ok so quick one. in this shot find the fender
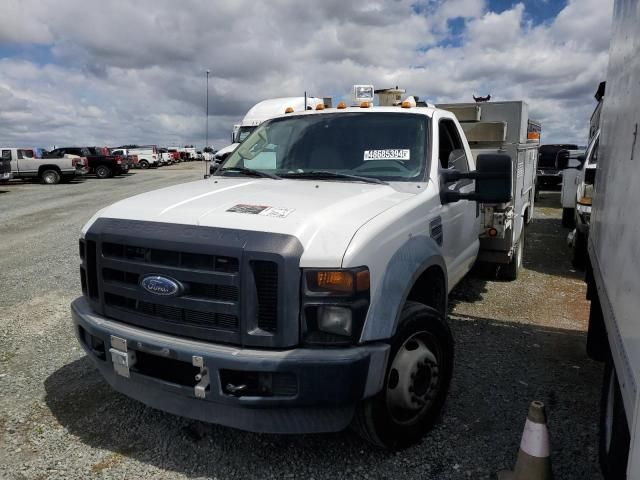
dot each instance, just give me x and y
(403, 269)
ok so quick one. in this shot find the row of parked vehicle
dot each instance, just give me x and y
(66, 163)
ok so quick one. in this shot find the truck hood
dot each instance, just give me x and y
(323, 215)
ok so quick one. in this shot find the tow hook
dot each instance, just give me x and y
(122, 358)
(202, 377)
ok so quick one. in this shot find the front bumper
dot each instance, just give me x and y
(330, 382)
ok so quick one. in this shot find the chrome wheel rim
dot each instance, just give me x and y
(413, 380)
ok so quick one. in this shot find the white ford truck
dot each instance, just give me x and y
(301, 288)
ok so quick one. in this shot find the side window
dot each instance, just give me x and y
(451, 152)
(6, 154)
(20, 155)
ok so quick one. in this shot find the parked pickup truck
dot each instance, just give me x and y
(548, 172)
(304, 286)
(25, 164)
(148, 156)
(101, 165)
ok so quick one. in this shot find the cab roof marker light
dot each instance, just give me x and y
(408, 102)
(320, 106)
(341, 106)
(364, 105)
(288, 110)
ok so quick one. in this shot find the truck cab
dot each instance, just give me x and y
(301, 288)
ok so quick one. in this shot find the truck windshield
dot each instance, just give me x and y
(382, 145)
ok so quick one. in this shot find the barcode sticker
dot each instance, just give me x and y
(403, 154)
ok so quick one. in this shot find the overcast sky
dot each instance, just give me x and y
(102, 72)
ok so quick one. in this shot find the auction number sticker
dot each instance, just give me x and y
(264, 210)
(403, 154)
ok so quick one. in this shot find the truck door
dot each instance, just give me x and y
(27, 161)
(6, 155)
(460, 220)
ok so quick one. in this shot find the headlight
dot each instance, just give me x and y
(334, 305)
(337, 320)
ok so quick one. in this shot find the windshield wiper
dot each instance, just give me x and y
(327, 174)
(250, 172)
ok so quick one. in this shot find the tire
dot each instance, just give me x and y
(412, 397)
(568, 217)
(103, 171)
(50, 177)
(143, 164)
(614, 439)
(579, 257)
(511, 270)
(597, 343)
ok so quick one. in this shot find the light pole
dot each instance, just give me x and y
(206, 132)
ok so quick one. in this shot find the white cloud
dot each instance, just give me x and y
(134, 71)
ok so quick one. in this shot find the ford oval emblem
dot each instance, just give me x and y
(159, 285)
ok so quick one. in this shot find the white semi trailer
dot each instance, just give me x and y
(613, 275)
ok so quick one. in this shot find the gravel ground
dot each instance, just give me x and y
(516, 342)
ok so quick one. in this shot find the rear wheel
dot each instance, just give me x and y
(614, 430)
(143, 164)
(50, 177)
(568, 218)
(511, 270)
(102, 171)
(416, 381)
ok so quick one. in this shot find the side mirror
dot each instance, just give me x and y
(493, 177)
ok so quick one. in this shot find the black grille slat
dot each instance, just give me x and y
(224, 293)
(92, 269)
(183, 316)
(266, 277)
(170, 258)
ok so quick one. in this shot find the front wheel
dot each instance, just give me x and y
(614, 430)
(50, 177)
(416, 382)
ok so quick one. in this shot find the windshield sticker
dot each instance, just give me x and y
(250, 209)
(388, 154)
(265, 210)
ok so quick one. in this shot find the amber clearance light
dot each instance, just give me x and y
(338, 281)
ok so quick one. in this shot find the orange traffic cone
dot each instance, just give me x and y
(533, 461)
